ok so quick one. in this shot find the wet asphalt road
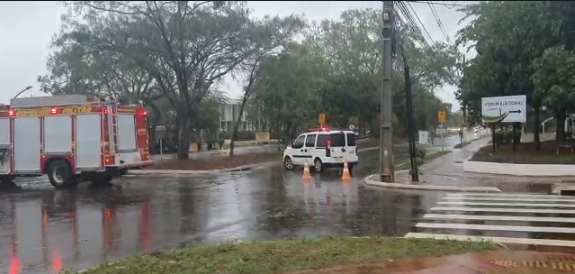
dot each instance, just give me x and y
(45, 230)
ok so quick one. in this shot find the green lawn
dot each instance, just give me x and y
(274, 257)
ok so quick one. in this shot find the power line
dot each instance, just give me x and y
(411, 25)
(438, 20)
(421, 23)
(444, 4)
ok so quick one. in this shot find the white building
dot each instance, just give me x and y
(229, 112)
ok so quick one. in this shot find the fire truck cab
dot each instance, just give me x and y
(71, 138)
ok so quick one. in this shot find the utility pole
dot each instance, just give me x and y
(386, 104)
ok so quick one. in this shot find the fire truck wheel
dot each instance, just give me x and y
(60, 174)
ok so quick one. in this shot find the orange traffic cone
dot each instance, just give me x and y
(345, 174)
(306, 174)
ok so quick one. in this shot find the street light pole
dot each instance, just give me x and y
(386, 104)
(22, 91)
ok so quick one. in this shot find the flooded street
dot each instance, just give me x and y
(46, 230)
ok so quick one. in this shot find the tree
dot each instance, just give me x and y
(509, 36)
(554, 83)
(185, 46)
(287, 88)
(270, 34)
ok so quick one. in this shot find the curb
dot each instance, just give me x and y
(369, 181)
(209, 171)
(198, 172)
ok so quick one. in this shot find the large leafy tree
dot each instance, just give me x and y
(184, 46)
(269, 37)
(510, 36)
(287, 89)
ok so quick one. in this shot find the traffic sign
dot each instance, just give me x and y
(504, 109)
(441, 116)
(321, 118)
(351, 127)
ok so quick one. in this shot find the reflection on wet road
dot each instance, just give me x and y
(45, 230)
(42, 229)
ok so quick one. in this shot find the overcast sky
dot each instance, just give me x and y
(27, 28)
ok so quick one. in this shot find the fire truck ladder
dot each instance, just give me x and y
(113, 120)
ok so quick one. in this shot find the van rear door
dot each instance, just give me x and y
(337, 145)
(351, 143)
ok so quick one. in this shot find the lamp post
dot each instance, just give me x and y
(22, 91)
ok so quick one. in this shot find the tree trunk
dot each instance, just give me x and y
(237, 125)
(183, 136)
(152, 132)
(560, 117)
(536, 120)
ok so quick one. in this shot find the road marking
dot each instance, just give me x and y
(514, 210)
(505, 204)
(511, 195)
(498, 218)
(558, 199)
(503, 240)
(497, 227)
(451, 214)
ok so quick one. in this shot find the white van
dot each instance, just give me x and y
(322, 149)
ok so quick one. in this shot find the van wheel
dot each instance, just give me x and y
(288, 164)
(60, 174)
(318, 165)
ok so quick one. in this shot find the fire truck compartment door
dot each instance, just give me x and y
(58, 134)
(88, 142)
(126, 132)
(27, 144)
(4, 145)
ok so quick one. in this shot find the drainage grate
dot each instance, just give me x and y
(555, 264)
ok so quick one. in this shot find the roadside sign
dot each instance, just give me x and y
(441, 116)
(321, 119)
(351, 127)
(504, 109)
(262, 136)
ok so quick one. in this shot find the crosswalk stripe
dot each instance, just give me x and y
(497, 227)
(514, 199)
(457, 211)
(503, 240)
(515, 210)
(512, 195)
(497, 218)
(506, 204)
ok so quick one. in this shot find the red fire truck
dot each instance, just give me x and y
(71, 138)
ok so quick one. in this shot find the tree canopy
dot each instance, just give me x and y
(173, 56)
(523, 48)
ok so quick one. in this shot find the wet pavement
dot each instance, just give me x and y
(45, 230)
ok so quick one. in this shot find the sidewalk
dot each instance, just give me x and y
(497, 262)
(448, 170)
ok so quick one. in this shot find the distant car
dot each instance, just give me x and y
(323, 148)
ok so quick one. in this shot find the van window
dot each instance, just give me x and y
(298, 143)
(337, 139)
(322, 140)
(310, 140)
(351, 137)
